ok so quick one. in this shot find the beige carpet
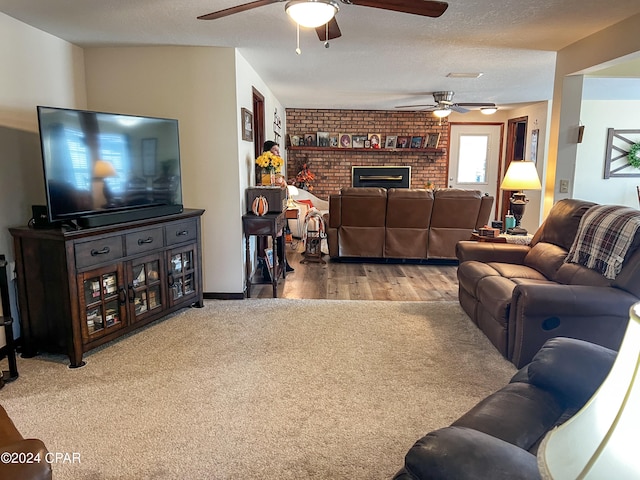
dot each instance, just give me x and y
(260, 389)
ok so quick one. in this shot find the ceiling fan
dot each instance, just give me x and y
(444, 105)
(324, 11)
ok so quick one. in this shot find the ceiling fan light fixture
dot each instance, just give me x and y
(442, 112)
(488, 110)
(311, 13)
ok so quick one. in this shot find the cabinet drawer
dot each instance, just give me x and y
(143, 241)
(181, 232)
(98, 251)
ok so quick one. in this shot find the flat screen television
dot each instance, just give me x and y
(105, 168)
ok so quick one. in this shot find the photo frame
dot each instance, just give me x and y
(404, 141)
(310, 139)
(268, 258)
(434, 139)
(416, 142)
(390, 141)
(375, 139)
(149, 148)
(247, 124)
(357, 141)
(345, 140)
(334, 140)
(323, 139)
(534, 145)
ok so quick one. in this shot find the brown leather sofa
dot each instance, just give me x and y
(499, 438)
(403, 223)
(520, 296)
(29, 454)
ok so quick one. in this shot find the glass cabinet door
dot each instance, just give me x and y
(182, 274)
(145, 288)
(102, 299)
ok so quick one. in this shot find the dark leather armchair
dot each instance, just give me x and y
(11, 441)
(520, 296)
(498, 439)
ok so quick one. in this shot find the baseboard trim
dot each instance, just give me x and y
(222, 296)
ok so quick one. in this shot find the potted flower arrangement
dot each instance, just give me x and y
(304, 178)
(271, 163)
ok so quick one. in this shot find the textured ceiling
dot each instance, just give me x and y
(383, 58)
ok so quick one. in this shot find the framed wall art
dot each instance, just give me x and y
(247, 124)
(534, 145)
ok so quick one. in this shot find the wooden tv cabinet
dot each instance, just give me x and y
(78, 289)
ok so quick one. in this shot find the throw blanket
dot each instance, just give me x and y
(604, 236)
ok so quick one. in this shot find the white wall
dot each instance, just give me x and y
(246, 80)
(601, 48)
(204, 88)
(590, 184)
(538, 115)
(37, 69)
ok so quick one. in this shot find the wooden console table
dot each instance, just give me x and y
(79, 289)
(269, 225)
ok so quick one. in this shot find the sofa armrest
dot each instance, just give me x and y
(465, 454)
(542, 311)
(491, 252)
(573, 369)
(39, 469)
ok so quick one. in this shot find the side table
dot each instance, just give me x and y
(503, 238)
(269, 225)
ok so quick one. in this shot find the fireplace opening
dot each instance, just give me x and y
(382, 176)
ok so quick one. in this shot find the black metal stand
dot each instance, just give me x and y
(7, 323)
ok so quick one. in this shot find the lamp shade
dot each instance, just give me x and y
(600, 440)
(521, 175)
(311, 13)
(103, 169)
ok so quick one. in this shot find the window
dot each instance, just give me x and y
(472, 159)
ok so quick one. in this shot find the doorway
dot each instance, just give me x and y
(258, 130)
(475, 157)
(516, 141)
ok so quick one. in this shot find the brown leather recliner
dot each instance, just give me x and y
(361, 222)
(456, 214)
(520, 296)
(12, 442)
(407, 223)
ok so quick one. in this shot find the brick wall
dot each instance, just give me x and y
(332, 167)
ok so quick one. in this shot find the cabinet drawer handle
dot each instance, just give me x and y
(103, 251)
(132, 294)
(182, 233)
(122, 296)
(142, 241)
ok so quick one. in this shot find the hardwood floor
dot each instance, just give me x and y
(364, 281)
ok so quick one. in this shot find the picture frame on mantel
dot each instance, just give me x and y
(247, 124)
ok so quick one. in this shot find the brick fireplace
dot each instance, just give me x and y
(333, 166)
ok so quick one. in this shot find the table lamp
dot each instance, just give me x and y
(600, 440)
(102, 170)
(292, 191)
(521, 175)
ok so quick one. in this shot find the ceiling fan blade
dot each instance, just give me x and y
(482, 104)
(426, 8)
(237, 9)
(416, 106)
(457, 108)
(334, 31)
